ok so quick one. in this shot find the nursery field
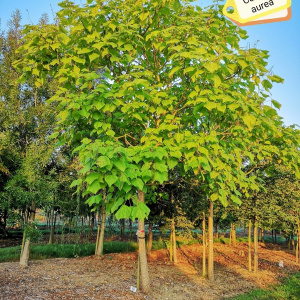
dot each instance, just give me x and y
(111, 276)
(142, 156)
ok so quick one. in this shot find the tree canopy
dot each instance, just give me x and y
(148, 86)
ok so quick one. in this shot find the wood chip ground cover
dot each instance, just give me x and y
(112, 276)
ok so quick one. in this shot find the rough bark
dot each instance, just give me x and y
(210, 270)
(249, 247)
(204, 246)
(255, 237)
(144, 275)
(149, 238)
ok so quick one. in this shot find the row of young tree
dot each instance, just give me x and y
(155, 107)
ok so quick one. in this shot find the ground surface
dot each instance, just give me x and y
(112, 276)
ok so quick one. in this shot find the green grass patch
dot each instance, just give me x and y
(44, 251)
(65, 250)
(118, 247)
(226, 240)
(288, 290)
(183, 242)
(10, 254)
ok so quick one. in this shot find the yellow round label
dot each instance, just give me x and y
(244, 11)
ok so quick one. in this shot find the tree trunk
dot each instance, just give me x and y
(25, 216)
(174, 241)
(275, 236)
(217, 231)
(255, 236)
(204, 247)
(3, 223)
(210, 271)
(298, 245)
(51, 221)
(297, 249)
(98, 232)
(54, 226)
(26, 248)
(122, 228)
(138, 281)
(233, 235)
(23, 241)
(48, 219)
(102, 230)
(249, 247)
(144, 277)
(293, 242)
(25, 253)
(171, 244)
(91, 225)
(262, 235)
(130, 229)
(149, 238)
(160, 237)
(82, 225)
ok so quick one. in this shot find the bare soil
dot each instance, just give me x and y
(112, 276)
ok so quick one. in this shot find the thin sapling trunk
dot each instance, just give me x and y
(144, 274)
(255, 237)
(210, 271)
(249, 247)
(204, 246)
(149, 238)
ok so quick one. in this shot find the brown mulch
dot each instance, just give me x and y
(112, 276)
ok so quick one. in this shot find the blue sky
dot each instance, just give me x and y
(282, 39)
